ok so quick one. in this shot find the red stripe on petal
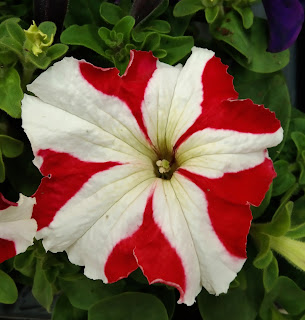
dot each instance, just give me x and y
(243, 187)
(220, 110)
(129, 88)
(231, 223)
(228, 202)
(66, 176)
(149, 249)
(7, 250)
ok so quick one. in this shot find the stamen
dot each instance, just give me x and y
(163, 166)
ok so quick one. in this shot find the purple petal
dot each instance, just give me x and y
(285, 18)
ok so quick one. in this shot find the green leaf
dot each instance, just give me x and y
(8, 289)
(56, 51)
(248, 47)
(271, 91)
(25, 263)
(299, 140)
(10, 147)
(125, 26)
(22, 174)
(131, 306)
(265, 255)
(211, 13)
(63, 310)
(239, 303)
(11, 93)
(258, 211)
(246, 14)
(176, 47)
(111, 13)
(284, 179)
(280, 222)
(286, 294)
(160, 26)
(297, 230)
(151, 42)
(42, 288)
(12, 36)
(86, 35)
(48, 28)
(186, 7)
(83, 12)
(270, 274)
(83, 292)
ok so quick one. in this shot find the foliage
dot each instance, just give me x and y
(104, 33)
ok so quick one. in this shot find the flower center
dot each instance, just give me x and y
(165, 168)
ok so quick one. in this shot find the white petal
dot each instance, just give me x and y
(16, 224)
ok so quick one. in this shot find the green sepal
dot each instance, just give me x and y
(111, 13)
(11, 93)
(248, 47)
(279, 224)
(284, 179)
(258, 211)
(211, 14)
(187, 7)
(129, 305)
(42, 288)
(285, 293)
(246, 14)
(86, 35)
(56, 51)
(265, 255)
(44, 59)
(12, 36)
(63, 310)
(8, 289)
(176, 47)
(270, 274)
(83, 292)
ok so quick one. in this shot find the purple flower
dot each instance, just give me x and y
(285, 18)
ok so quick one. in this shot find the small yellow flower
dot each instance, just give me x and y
(36, 40)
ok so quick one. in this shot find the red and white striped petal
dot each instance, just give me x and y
(69, 86)
(50, 127)
(74, 196)
(183, 249)
(174, 96)
(17, 229)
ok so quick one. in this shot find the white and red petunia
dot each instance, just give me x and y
(17, 229)
(155, 169)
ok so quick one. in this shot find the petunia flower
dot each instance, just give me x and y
(17, 229)
(285, 19)
(155, 169)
